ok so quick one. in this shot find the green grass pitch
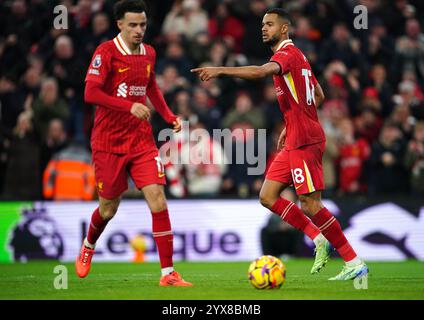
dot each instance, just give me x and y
(226, 281)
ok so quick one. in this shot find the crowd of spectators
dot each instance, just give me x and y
(373, 78)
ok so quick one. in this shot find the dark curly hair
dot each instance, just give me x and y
(124, 6)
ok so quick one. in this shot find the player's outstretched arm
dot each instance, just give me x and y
(319, 95)
(247, 72)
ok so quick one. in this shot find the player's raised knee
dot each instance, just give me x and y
(107, 214)
(108, 208)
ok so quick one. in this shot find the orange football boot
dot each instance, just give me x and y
(174, 279)
(83, 263)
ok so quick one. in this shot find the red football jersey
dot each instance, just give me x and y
(294, 87)
(126, 76)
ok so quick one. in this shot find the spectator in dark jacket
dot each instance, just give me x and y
(69, 70)
(387, 174)
(48, 106)
(340, 47)
(23, 179)
(56, 139)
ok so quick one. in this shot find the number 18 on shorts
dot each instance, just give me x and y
(301, 167)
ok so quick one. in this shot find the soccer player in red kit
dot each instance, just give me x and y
(302, 142)
(120, 77)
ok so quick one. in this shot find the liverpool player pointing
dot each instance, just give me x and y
(302, 142)
(118, 80)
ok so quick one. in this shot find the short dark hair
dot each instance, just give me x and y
(124, 6)
(283, 14)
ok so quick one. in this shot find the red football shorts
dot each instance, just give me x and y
(112, 170)
(301, 167)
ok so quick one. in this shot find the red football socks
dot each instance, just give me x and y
(290, 212)
(97, 226)
(331, 229)
(163, 236)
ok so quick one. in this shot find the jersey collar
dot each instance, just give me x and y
(122, 47)
(285, 43)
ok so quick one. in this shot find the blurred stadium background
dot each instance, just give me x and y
(373, 117)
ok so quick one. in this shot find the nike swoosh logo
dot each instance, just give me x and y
(120, 70)
(160, 175)
(299, 186)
